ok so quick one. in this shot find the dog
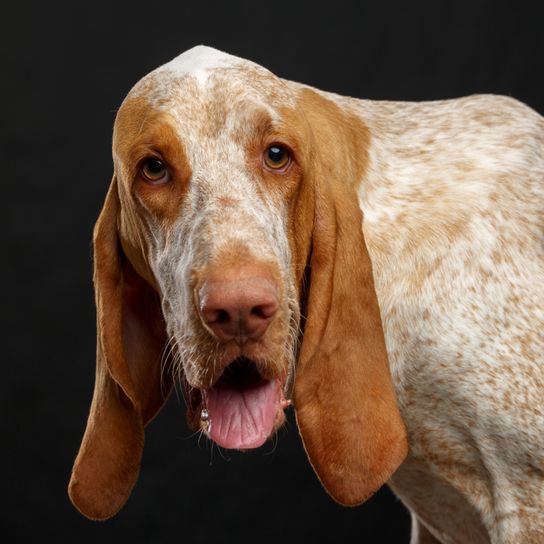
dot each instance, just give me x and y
(379, 265)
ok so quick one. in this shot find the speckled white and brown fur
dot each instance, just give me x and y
(454, 221)
(453, 204)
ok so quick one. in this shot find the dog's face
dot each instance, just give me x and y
(209, 170)
(232, 213)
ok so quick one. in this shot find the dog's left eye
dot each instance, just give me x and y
(276, 157)
(155, 171)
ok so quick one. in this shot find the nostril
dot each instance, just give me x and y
(222, 317)
(215, 315)
(263, 311)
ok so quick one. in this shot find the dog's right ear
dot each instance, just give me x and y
(129, 387)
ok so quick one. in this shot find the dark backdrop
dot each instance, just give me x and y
(65, 70)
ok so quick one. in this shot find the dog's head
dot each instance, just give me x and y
(229, 255)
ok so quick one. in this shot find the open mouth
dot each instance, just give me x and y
(242, 409)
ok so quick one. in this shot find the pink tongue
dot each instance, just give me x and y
(242, 418)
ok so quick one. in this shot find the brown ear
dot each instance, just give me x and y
(129, 388)
(345, 403)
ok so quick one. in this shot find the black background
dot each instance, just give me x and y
(66, 68)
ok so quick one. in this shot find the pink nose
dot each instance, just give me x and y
(238, 309)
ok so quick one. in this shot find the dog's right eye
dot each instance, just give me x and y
(155, 171)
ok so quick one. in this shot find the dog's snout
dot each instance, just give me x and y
(238, 308)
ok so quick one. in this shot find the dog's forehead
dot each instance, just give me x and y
(203, 75)
(208, 98)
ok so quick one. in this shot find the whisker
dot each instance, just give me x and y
(211, 452)
(200, 435)
(274, 445)
(198, 432)
(178, 388)
(221, 453)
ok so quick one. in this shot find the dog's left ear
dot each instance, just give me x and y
(129, 385)
(345, 403)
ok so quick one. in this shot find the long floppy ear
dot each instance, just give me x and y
(129, 387)
(345, 402)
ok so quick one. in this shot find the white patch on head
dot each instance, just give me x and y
(198, 62)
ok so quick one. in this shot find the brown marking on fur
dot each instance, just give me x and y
(280, 186)
(140, 132)
(226, 201)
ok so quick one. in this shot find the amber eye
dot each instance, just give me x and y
(155, 171)
(276, 157)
